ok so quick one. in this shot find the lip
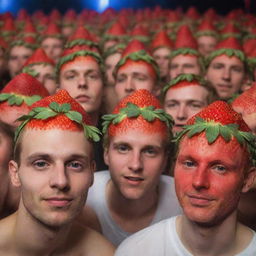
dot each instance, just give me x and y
(83, 98)
(201, 201)
(225, 86)
(58, 201)
(133, 180)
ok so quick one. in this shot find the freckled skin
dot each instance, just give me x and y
(209, 178)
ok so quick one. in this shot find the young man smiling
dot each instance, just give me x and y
(133, 194)
(214, 166)
(53, 166)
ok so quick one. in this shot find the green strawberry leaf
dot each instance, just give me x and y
(31, 100)
(212, 132)
(55, 106)
(148, 115)
(118, 119)
(225, 133)
(74, 116)
(65, 107)
(4, 96)
(45, 114)
(91, 132)
(195, 130)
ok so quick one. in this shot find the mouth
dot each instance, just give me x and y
(225, 86)
(82, 98)
(58, 201)
(133, 180)
(198, 200)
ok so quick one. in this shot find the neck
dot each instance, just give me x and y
(208, 241)
(131, 207)
(43, 240)
(94, 117)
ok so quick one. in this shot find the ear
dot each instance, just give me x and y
(250, 180)
(14, 175)
(106, 156)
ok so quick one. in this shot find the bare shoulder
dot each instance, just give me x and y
(89, 241)
(6, 233)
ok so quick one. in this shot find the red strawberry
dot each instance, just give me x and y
(52, 30)
(141, 98)
(26, 85)
(221, 112)
(133, 46)
(39, 56)
(161, 39)
(116, 30)
(246, 102)
(185, 38)
(60, 121)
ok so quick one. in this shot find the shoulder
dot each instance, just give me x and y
(90, 242)
(148, 240)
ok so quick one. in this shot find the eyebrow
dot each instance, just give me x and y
(48, 156)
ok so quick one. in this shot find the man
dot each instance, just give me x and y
(133, 194)
(53, 166)
(185, 58)
(20, 51)
(185, 96)
(52, 42)
(214, 166)
(43, 69)
(79, 72)
(136, 70)
(226, 68)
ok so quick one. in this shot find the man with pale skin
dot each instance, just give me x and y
(133, 73)
(184, 97)
(226, 70)
(79, 72)
(212, 170)
(133, 194)
(54, 182)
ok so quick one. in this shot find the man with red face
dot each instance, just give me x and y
(53, 166)
(133, 194)
(214, 165)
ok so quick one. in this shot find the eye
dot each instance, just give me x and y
(122, 148)
(237, 69)
(141, 78)
(120, 79)
(220, 168)
(171, 105)
(40, 164)
(150, 151)
(75, 165)
(217, 66)
(93, 76)
(189, 163)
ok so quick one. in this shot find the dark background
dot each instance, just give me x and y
(222, 6)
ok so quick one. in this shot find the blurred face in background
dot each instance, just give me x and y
(206, 44)
(53, 47)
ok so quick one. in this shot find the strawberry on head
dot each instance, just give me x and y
(219, 123)
(140, 110)
(59, 111)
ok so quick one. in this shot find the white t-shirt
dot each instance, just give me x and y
(168, 205)
(162, 239)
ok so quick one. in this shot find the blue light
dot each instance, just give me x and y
(8, 5)
(103, 4)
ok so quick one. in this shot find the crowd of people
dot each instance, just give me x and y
(130, 129)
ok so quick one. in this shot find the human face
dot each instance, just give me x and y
(135, 161)
(133, 77)
(82, 79)
(206, 44)
(209, 179)
(182, 103)
(184, 64)
(10, 114)
(2, 61)
(162, 56)
(110, 64)
(226, 74)
(17, 57)
(54, 173)
(45, 74)
(53, 47)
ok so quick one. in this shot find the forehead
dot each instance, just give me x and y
(134, 67)
(161, 51)
(51, 41)
(226, 60)
(182, 59)
(81, 64)
(59, 143)
(207, 39)
(137, 137)
(198, 148)
(193, 92)
(20, 50)
(113, 58)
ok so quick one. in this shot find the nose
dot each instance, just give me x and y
(59, 178)
(135, 162)
(129, 85)
(201, 179)
(182, 114)
(226, 74)
(82, 82)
